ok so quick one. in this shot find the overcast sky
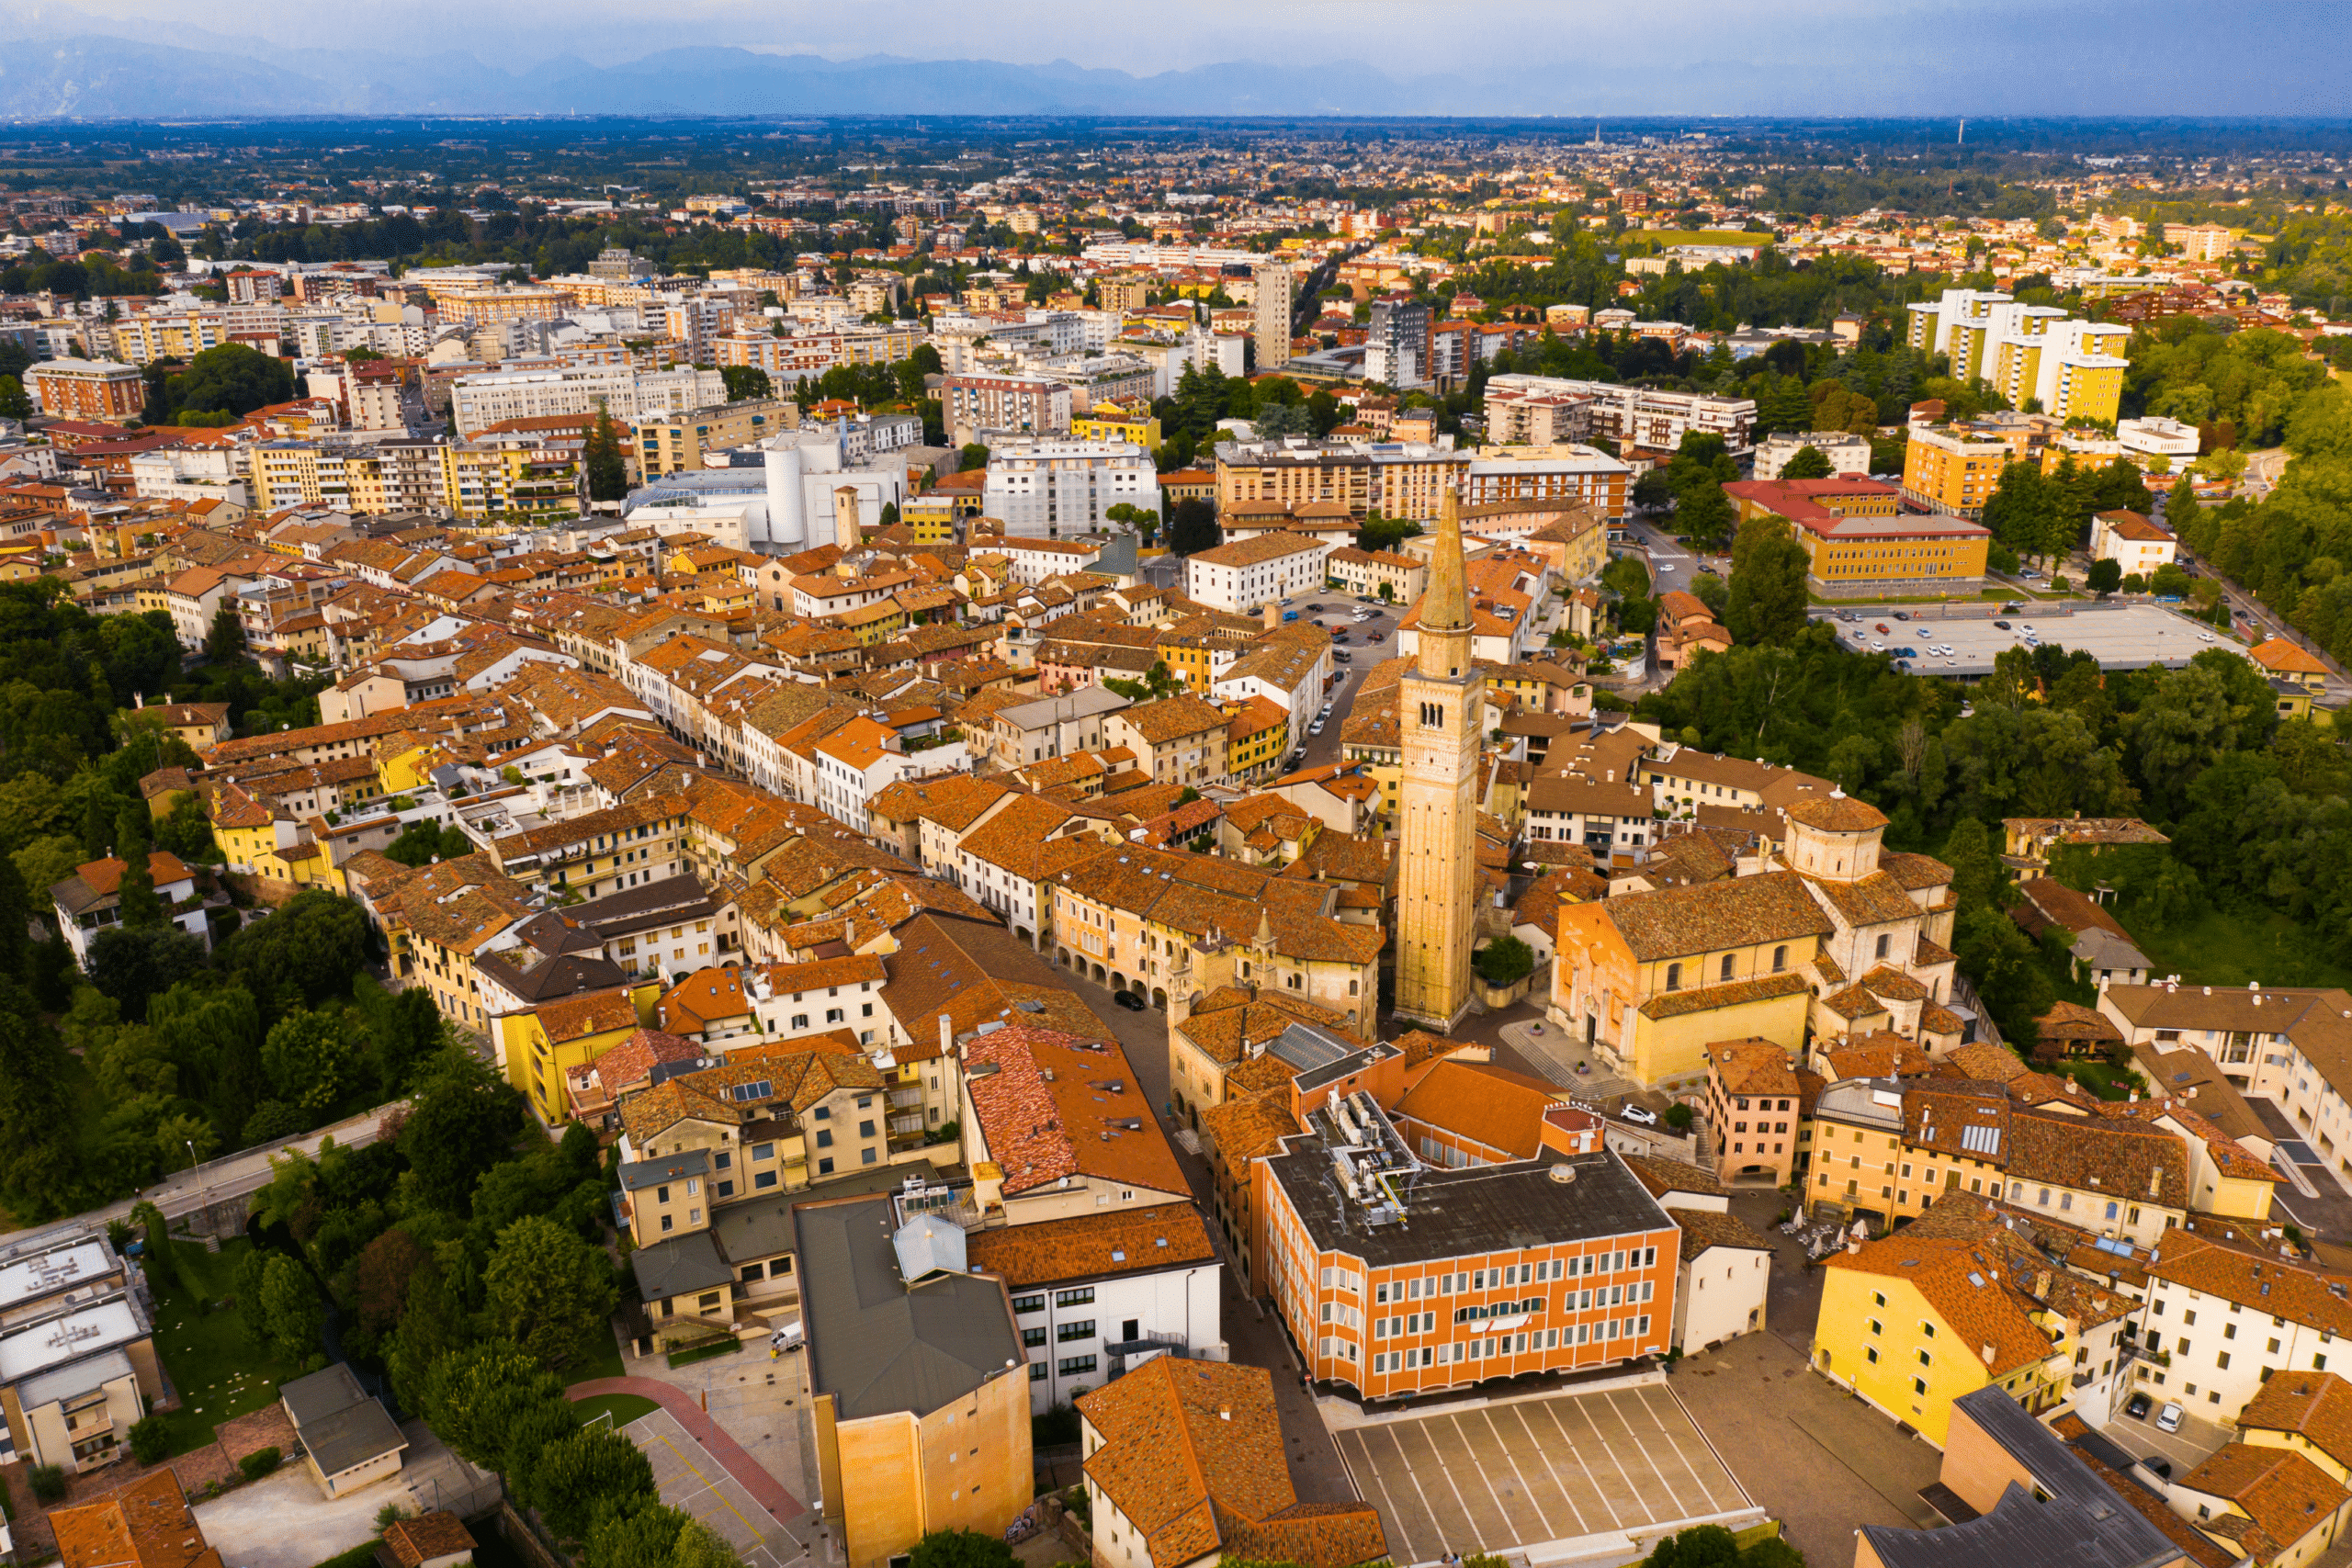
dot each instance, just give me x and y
(1563, 56)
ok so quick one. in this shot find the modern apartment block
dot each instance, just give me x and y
(1051, 489)
(77, 1354)
(2027, 352)
(1023, 405)
(1398, 1279)
(628, 394)
(1634, 416)
(1276, 293)
(1397, 351)
(88, 389)
(670, 442)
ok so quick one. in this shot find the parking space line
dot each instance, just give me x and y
(1545, 1454)
(1461, 1504)
(1643, 1443)
(1524, 1489)
(1616, 1521)
(1388, 1503)
(1713, 1462)
(1470, 1453)
(1412, 1474)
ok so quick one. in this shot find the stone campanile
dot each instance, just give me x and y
(1438, 706)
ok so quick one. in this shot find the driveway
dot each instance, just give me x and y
(285, 1521)
(1810, 1454)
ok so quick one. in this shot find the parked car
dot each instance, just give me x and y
(1129, 1000)
(1640, 1114)
(2168, 1418)
(2139, 1406)
(1315, 729)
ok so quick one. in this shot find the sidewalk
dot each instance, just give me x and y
(765, 1488)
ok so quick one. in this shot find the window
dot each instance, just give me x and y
(1032, 1337)
(1723, 972)
(825, 1166)
(1780, 959)
(764, 1151)
(1028, 1304)
(1674, 977)
(1072, 1366)
(1082, 1296)
(1884, 941)
(764, 1179)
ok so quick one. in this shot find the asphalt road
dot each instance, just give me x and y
(1340, 616)
(236, 1176)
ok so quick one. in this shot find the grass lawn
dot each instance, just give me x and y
(2232, 946)
(625, 1407)
(219, 1375)
(359, 1556)
(605, 1363)
(2098, 1078)
(726, 1347)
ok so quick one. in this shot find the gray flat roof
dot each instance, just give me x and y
(1473, 1208)
(339, 1422)
(640, 1174)
(679, 1267)
(2128, 636)
(80, 1378)
(875, 1344)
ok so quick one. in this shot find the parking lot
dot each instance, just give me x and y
(691, 1479)
(2128, 636)
(1515, 1474)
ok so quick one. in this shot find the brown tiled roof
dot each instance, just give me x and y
(2070, 1021)
(575, 1017)
(1753, 1067)
(702, 999)
(1743, 912)
(1836, 813)
(1706, 998)
(1704, 1228)
(2122, 1159)
(2252, 1279)
(1171, 718)
(146, 1523)
(1662, 1175)
(1488, 1105)
(1875, 900)
(1090, 1117)
(2286, 1495)
(1967, 1288)
(1226, 1031)
(1191, 1454)
(2317, 1406)
(426, 1537)
(1092, 1246)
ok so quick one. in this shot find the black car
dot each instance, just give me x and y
(2138, 1409)
(2002, 624)
(1902, 615)
(1128, 1000)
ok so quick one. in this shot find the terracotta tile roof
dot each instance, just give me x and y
(702, 999)
(1978, 1060)
(1753, 1067)
(1488, 1105)
(2253, 1278)
(1191, 1454)
(2286, 1495)
(104, 878)
(1059, 1105)
(146, 1523)
(1093, 1246)
(1661, 1175)
(1967, 1287)
(2070, 1021)
(1705, 998)
(1227, 1024)
(2316, 1406)
(419, 1541)
(1913, 872)
(1875, 900)
(575, 1017)
(1170, 718)
(2122, 1159)
(1704, 1228)
(633, 1060)
(2282, 657)
(1743, 912)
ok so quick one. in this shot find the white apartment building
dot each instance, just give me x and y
(1141, 1285)
(2219, 1321)
(2133, 543)
(628, 394)
(2288, 1047)
(1047, 489)
(1637, 416)
(2154, 437)
(1026, 405)
(1848, 454)
(1256, 571)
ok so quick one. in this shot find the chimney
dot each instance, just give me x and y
(947, 1036)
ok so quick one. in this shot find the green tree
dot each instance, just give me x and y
(961, 1549)
(465, 1120)
(1504, 961)
(310, 1059)
(39, 1161)
(132, 965)
(232, 380)
(573, 1474)
(1704, 512)
(470, 1392)
(1806, 463)
(142, 910)
(14, 402)
(1768, 600)
(548, 1291)
(290, 1307)
(746, 381)
(1193, 527)
(1976, 875)
(601, 459)
(225, 643)
(2104, 576)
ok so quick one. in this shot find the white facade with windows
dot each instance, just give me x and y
(1051, 489)
(1081, 1334)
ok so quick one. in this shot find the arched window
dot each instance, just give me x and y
(1780, 959)
(1674, 977)
(1723, 974)
(1884, 941)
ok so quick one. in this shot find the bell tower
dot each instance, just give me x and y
(1440, 703)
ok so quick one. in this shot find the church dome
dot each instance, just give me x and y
(1837, 813)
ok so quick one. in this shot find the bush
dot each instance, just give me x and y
(1678, 1117)
(48, 1483)
(151, 1440)
(259, 1462)
(1504, 961)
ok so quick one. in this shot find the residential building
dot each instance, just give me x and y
(1185, 1469)
(628, 393)
(97, 389)
(669, 443)
(1272, 305)
(1564, 474)
(1639, 416)
(2274, 1506)
(146, 1524)
(920, 1405)
(1953, 469)
(2133, 543)
(1099, 1295)
(1178, 739)
(77, 1357)
(1724, 1267)
(2029, 354)
(2223, 1320)
(972, 405)
(1755, 1105)
(90, 900)
(1242, 577)
(1397, 348)
(1047, 489)
(1392, 1280)
(1848, 455)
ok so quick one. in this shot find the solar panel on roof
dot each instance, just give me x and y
(760, 1090)
(1980, 1140)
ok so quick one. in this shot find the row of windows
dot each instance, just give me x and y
(1502, 1345)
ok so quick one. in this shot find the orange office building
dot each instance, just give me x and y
(1397, 1277)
